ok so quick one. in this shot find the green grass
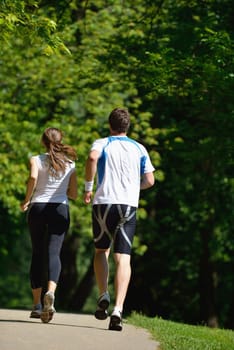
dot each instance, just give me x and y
(179, 336)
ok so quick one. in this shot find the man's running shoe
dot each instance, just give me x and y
(36, 311)
(116, 321)
(48, 309)
(103, 304)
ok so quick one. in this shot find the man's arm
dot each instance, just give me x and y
(147, 181)
(90, 172)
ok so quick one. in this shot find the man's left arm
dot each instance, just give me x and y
(147, 180)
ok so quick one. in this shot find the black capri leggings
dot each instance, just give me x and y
(48, 223)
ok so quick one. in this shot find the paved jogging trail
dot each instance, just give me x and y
(68, 332)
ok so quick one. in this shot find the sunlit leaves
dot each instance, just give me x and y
(24, 20)
(171, 64)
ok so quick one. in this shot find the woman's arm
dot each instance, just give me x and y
(31, 184)
(72, 186)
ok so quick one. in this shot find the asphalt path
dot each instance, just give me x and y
(68, 332)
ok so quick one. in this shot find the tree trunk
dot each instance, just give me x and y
(69, 275)
(84, 289)
(230, 320)
(207, 282)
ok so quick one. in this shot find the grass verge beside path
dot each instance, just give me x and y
(179, 336)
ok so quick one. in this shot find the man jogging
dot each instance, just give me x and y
(123, 168)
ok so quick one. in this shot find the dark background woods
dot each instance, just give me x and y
(68, 64)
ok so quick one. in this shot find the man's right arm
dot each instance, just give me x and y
(90, 172)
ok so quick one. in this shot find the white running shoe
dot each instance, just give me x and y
(48, 309)
(116, 321)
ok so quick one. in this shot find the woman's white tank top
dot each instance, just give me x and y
(52, 189)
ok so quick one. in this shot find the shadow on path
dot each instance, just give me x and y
(68, 332)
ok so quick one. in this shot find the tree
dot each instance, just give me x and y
(26, 20)
(171, 64)
(184, 84)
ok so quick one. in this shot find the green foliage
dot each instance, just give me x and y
(171, 64)
(25, 20)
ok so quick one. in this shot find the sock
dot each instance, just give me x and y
(51, 293)
(118, 309)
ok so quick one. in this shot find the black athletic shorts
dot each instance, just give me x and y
(114, 223)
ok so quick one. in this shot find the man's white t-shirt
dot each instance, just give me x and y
(120, 166)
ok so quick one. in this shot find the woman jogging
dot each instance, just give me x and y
(52, 180)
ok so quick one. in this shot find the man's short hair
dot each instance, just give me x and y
(119, 120)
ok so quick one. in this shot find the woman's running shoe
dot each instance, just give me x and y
(48, 308)
(36, 311)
